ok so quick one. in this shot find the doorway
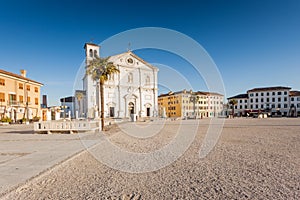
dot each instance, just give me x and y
(111, 111)
(148, 112)
(131, 108)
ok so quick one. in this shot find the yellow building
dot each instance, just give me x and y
(19, 96)
(169, 104)
(190, 104)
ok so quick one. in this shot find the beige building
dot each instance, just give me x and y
(19, 96)
(190, 104)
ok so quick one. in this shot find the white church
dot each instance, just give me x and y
(132, 92)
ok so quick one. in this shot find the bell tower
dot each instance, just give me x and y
(89, 85)
(91, 51)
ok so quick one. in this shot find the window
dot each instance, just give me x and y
(21, 86)
(285, 105)
(251, 106)
(256, 100)
(130, 78)
(36, 101)
(2, 97)
(251, 100)
(298, 105)
(12, 99)
(246, 107)
(268, 100)
(256, 94)
(279, 105)
(36, 89)
(28, 87)
(262, 100)
(2, 82)
(279, 99)
(292, 99)
(262, 94)
(148, 80)
(95, 54)
(21, 99)
(273, 99)
(261, 106)
(256, 106)
(268, 93)
(285, 93)
(285, 98)
(279, 93)
(241, 107)
(111, 77)
(273, 105)
(251, 94)
(91, 53)
(241, 101)
(246, 100)
(28, 99)
(273, 93)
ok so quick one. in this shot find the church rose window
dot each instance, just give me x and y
(129, 60)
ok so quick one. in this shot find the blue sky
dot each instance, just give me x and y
(253, 43)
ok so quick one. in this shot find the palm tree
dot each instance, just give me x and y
(79, 97)
(233, 103)
(101, 69)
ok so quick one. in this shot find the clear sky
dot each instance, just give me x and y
(253, 43)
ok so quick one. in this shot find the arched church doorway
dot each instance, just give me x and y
(131, 108)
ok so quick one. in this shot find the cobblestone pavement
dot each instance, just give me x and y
(253, 159)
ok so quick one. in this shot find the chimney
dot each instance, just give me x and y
(23, 73)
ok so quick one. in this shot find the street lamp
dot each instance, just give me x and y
(26, 96)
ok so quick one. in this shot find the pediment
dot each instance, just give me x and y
(129, 59)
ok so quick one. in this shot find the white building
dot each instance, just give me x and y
(214, 104)
(278, 101)
(132, 91)
(68, 107)
(294, 103)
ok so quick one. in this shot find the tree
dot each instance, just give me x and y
(100, 69)
(79, 97)
(194, 99)
(233, 103)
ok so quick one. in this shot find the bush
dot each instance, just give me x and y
(36, 119)
(6, 119)
(23, 120)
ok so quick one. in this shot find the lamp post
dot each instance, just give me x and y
(193, 99)
(26, 96)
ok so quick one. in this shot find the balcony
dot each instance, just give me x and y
(16, 103)
(13, 103)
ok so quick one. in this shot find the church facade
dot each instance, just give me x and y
(131, 92)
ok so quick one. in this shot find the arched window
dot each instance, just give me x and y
(91, 53)
(111, 77)
(130, 78)
(95, 54)
(148, 80)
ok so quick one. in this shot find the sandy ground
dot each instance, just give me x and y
(253, 159)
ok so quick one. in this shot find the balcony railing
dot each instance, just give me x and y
(17, 103)
(13, 103)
